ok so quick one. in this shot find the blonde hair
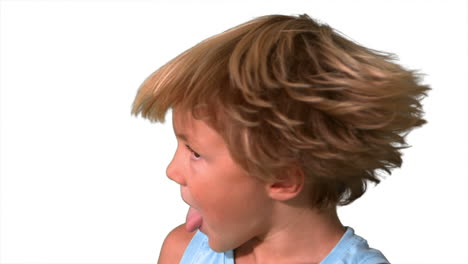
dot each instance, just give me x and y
(284, 90)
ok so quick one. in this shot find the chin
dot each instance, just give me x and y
(220, 246)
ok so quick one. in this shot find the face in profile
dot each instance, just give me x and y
(228, 205)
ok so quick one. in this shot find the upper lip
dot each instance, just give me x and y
(183, 198)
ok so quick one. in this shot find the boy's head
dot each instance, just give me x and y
(286, 91)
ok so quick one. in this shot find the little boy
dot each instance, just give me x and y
(279, 121)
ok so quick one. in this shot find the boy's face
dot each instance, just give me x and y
(234, 206)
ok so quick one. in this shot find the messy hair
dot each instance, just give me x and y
(288, 91)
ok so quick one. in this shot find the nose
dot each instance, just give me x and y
(173, 172)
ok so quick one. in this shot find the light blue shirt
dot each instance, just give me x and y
(351, 249)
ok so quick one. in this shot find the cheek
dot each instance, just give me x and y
(233, 205)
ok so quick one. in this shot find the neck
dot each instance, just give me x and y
(297, 235)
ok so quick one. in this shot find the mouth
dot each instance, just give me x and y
(194, 220)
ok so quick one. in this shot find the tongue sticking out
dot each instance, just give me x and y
(193, 221)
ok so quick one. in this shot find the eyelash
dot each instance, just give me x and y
(195, 154)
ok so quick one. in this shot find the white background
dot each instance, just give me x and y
(83, 181)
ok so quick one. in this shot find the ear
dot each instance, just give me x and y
(288, 185)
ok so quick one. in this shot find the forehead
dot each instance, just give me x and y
(191, 129)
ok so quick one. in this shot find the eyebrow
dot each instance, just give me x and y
(182, 136)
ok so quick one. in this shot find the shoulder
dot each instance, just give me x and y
(365, 254)
(353, 249)
(174, 245)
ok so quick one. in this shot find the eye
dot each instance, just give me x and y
(194, 154)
